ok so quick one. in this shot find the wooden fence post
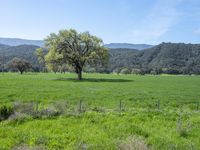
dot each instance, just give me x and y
(120, 105)
(37, 109)
(80, 106)
(158, 104)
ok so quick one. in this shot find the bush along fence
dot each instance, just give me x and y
(19, 110)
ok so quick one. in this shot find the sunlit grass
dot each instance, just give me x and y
(157, 127)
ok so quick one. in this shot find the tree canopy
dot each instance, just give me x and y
(40, 53)
(20, 64)
(75, 49)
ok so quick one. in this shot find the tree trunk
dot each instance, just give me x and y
(79, 75)
(78, 70)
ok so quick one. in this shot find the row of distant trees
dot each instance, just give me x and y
(155, 71)
(51, 64)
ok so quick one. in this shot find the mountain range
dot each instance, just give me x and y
(40, 43)
(18, 41)
(128, 46)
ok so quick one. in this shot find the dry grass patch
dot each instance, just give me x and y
(133, 143)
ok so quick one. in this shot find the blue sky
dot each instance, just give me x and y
(122, 21)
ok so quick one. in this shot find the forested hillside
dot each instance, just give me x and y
(164, 58)
(121, 58)
(21, 51)
(172, 58)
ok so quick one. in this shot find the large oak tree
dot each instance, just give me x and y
(76, 49)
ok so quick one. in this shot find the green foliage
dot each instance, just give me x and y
(135, 71)
(53, 60)
(75, 49)
(19, 64)
(125, 71)
(40, 53)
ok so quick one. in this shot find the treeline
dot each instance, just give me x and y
(167, 58)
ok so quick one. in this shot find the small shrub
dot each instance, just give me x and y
(49, 112)
(22, 110)
(25, 108)
(135, 71)
(19, 117)
(117, 71)
(5, 112)
(125, 71)
(61, 107)
(153, 72)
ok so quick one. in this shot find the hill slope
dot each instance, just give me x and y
(127, 45)
(17, 41)
(21, 51)
(164, 58)
(178, 58)
(2, 46)
(175, 58)
(120, 58)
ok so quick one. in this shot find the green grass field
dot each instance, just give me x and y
(156, 112)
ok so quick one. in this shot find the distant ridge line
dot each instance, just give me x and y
(128, 46)
(19, 41)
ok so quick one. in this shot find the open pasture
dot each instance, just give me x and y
(120, 111)
(99, 89)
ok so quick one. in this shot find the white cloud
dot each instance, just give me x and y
(161, 18)
(197, 31)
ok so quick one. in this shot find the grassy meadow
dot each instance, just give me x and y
(118, 111)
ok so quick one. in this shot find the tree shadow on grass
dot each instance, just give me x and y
(93, 80)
